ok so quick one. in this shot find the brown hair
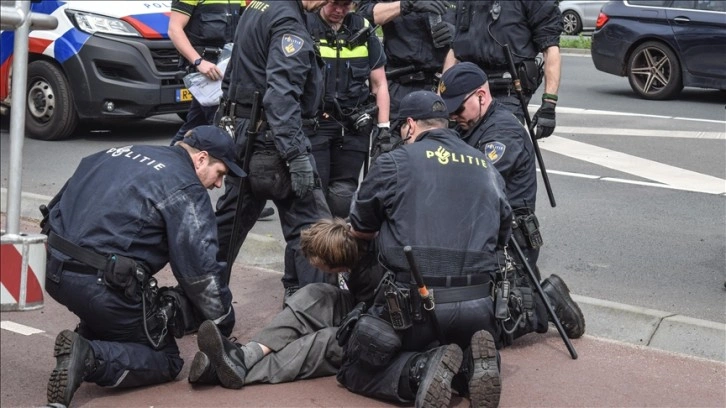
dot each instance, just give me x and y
(330, 242)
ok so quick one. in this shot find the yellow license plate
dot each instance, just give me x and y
(183, 95)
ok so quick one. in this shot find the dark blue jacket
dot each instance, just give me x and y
(407, 39)
(441, 197)
(147, 203)
(528, 26)
(275, 54)
(506, 143)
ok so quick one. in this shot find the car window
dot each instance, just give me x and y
(711, 5)
(690, 4)
(652, 3)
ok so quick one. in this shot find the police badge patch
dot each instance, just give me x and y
(494, 151)
(291, 44)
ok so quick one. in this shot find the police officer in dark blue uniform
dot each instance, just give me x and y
(123, 215)
(199, 29)
(529, 27)
(445, 200)
(275, 56)
(354, 72)
(416, 37)
(494, 130)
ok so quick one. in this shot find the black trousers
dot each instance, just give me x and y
(295, 215)
(458, 321)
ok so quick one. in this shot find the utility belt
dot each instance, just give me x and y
(530, 73)
(410, 75)
(236, 110)
(525, 229)
(404, 305)
(165, 310)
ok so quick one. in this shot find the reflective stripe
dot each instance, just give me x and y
(345, 52)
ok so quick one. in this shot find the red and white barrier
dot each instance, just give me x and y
(22, 271)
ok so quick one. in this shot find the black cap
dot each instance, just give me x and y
(421, 105)
(458, 82)
(217, 143)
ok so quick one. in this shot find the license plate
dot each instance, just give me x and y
(183, 95)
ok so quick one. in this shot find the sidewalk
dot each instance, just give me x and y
(609, 320)
(536, 372)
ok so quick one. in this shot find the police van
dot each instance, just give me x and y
(106, 60)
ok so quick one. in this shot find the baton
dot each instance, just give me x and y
(528, 121)
(542, 296)
(237, 223)
(427, 297)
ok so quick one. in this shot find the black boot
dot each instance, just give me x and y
(225, 356)
(431, 373)
(202, 370)
(74, 361)
(565, 308)
(485, 385)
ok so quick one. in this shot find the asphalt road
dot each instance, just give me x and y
(639, 217)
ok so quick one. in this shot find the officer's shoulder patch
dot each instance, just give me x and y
(494, 151)
(291, 44)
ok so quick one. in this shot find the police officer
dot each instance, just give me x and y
(274, 55)
(493, 129)
(529, 27)
(441, 197)
(123, 215)
(417, 34)
(354, 59)
(301, 341)
(199, 29)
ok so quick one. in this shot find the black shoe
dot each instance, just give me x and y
(74, 361)
(434, 373)
(565, 308)
(485, 385)
(225, 356)
(202, 370)
(266, 214)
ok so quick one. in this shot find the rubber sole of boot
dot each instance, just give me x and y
(559, 286)
(435, 388)
(485, 385)
(60, 385)
(200, 370)
(210, 342)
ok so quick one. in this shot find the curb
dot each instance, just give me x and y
(605, 319)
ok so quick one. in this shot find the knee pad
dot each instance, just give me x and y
(373, 342)
(339, 196)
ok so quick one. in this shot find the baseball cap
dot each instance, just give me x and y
(421, 105)
(218, 144)
(458, 82)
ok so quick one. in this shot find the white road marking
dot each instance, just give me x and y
(580, 111)
(19, 328)
(640, 132)
(672, 176)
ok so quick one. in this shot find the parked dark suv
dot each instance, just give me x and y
(662, 46)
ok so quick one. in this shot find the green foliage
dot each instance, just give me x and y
(576, 42)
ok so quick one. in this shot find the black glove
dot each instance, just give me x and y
(443, 34)
(544, 119)
(424, 6)
(383, 141)
(301, 175)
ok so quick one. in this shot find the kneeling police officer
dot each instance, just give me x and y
(123, 215)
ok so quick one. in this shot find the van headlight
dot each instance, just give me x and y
(95, 23)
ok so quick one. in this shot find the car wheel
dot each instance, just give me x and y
(572, 22)
(654, 71)
(50, 114)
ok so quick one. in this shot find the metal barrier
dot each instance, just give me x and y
(19, 280)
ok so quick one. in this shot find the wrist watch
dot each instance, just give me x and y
(197, 61)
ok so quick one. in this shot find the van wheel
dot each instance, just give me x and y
(51, 113)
